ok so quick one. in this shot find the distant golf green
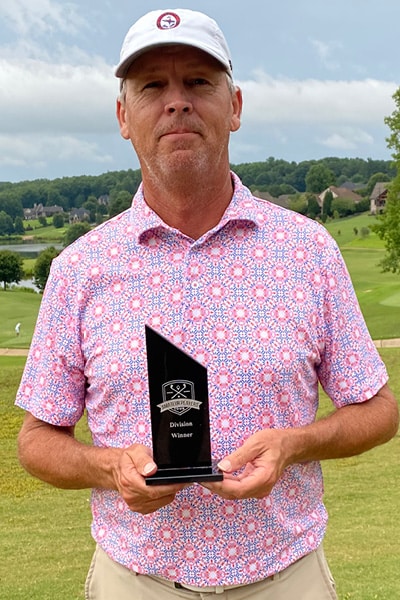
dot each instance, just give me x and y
(18, 307)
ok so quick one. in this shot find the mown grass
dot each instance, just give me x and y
(18, 306)
(343, 231)
(45, 540)
(45, 234)
(362, 495)
(378, 293)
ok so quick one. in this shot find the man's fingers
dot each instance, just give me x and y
(243, 455)
(254, 485)
(139, 457)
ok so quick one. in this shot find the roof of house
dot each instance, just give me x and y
(341, 192)
(379, 188)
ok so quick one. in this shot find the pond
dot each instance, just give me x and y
(30, 250)
(26, 283)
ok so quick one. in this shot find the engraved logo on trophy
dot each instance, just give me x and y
(178, 394)
(178, 397)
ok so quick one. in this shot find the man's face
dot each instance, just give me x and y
(178, 111)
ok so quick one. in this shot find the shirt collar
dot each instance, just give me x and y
(243, 207)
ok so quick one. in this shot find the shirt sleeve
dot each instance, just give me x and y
(52, 387)
(351, 369)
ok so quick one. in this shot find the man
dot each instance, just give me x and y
(258, 294)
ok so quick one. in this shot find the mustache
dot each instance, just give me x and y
(179, 126)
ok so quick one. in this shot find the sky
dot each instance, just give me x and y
(317, 77)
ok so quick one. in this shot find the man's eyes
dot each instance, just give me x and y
(191, 82)
(152, 84)
(199, 81)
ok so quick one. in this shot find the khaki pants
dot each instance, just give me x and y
(307, 579)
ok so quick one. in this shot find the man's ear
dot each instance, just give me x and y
(121, 116)
(237, 103)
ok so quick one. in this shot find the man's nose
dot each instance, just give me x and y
(179, 106)
(177, 101)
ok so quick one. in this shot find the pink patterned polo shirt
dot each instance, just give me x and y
(265, 302)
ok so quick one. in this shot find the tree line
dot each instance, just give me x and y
(301, 182)
(275, 176)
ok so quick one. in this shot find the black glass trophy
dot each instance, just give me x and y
(179, 411)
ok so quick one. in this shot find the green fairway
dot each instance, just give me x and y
(49, 233)
(18, 307)
(344, 231)
(45, 541)
(378, 293)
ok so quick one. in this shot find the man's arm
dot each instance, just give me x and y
(54, 455)
(348, 431)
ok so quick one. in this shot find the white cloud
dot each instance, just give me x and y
(347, 139)
(42, 97)
(278, 101)
(36, 17)
(33, 151)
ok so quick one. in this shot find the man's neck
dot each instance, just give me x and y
(192, 208)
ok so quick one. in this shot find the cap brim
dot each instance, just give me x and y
(124, 66)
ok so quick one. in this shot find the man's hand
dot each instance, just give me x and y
(71, 464)
(348, 431)
(134, 465)
(261, 461)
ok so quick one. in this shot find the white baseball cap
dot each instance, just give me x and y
(175, 26)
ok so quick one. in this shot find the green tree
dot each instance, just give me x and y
(120, 202)
(11, 270)
(313, 208)
(393, 122)
(19, 226)
(41, 269)
(91, 206)
(58, 220)
(365, 231)
(388, 226)
(74, 232)
(327, 204)
(343, 206)
(298, 203)
(6, 224)
(318, 178)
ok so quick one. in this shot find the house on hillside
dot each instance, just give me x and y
(78, 215)
(50, 211)
(33, 213)
(38, 210)
(339, 192)
(378, 197)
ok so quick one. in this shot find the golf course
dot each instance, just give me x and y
(45, 540)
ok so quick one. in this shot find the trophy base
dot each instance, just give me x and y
(184, 475)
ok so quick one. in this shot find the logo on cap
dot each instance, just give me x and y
(168, 20)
